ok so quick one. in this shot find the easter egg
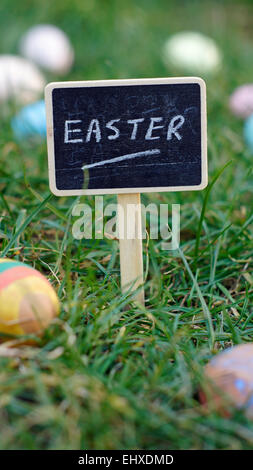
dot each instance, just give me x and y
(28, 302)
(49, 47)
(241, 101)
(193, 52)
(248, 132)
(230, 375)
(30, 121)
(20, 80)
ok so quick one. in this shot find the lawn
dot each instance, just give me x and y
(108, 374)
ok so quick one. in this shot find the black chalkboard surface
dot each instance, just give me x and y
(123, 136)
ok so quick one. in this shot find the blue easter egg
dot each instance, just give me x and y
(248, 132)
(30, 121)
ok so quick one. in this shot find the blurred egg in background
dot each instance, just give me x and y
(241, 101)
(248, 132)
(49, 47)
(30, 121)
(20, 80)
(192, 52)
(230, 374)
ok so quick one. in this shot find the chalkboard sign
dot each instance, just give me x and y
(126, 136)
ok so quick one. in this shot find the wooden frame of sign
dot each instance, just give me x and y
(127, 137)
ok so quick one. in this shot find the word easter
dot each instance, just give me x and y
(94, 129)
(126, 136)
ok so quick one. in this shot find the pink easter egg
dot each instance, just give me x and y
(241, 101)
(229, 379)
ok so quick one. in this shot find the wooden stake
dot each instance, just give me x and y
(130, 243)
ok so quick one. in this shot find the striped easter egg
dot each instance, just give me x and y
(28, 302)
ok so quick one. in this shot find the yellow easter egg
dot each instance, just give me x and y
(28, 302)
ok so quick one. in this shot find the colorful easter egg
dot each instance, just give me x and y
(193, 52)
(20, 80)
(30, 121)
(241, 101)
(49, 47)
(230, 376)
(248, 132)
(28, 302)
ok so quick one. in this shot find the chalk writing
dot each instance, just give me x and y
(94, 127)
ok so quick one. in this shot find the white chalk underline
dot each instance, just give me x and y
(123, 157)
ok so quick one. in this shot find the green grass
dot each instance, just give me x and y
(108, 375)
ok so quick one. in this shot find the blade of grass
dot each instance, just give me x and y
(24, 225)
(208, 190)
(49, 206)
(205, 308)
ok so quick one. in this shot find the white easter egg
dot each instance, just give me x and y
(49, 47)
(193, 52)
(20, 80)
